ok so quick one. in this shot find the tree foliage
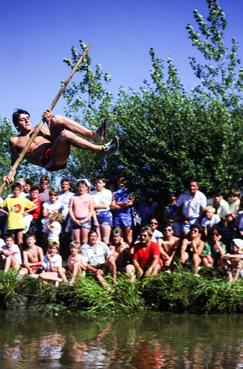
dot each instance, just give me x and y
(220, 74)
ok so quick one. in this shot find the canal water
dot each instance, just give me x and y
(153, 341)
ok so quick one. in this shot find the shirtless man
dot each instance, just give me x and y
(51, 148)
(169, 246)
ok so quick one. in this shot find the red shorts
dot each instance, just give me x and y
(47, 157)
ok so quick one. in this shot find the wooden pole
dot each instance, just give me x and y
(37, 129)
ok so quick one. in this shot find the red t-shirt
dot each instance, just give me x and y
(38, 211)
(145, 255)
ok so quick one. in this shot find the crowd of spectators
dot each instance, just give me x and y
(60, 234)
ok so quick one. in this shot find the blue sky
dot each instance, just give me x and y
(35, 37)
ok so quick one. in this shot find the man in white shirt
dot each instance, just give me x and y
(192, 204)
(221, 205)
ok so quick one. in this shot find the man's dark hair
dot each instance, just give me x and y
(35, 188)
(66, 180)
(16, 115)
(44, 178)
(16, 185)
(100, 178)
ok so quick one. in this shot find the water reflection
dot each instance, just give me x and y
(151, 342)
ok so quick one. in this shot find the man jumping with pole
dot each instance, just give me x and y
(49, 147)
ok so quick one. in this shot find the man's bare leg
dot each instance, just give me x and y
(58, 122)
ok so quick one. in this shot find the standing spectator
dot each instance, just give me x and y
(35, 225)
(146, 256)
(234, 201)
(44, 187)
(147, 209)
(171, 214)
(209, 220)
(81, 210)
(121, 205)
(27, 187)
(16, 206)
(102, 202)
(221, 205)
(192, 204)
(64, 197)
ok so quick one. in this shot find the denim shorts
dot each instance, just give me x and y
(104, 218)
(122, 220)
(86, 225)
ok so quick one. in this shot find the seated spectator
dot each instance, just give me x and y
(122, 254)
(234, 201)
(32, 259)
(169, 246)
(75, 263)
(209, 220)
(52, 266)
(192, 247)
(99, 259)
(234, 260)
(220, 204)
(146, 256)
(102, 202)
(16, 206)
(10, 255)
(214, 250)
(81, 209)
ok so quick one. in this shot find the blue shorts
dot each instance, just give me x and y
(86, 225)
(104, 218)
(122, 220)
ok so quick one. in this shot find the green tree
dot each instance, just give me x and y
(220, 74)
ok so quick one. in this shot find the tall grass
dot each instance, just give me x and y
(177, 292)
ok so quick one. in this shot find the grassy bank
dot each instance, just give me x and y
(177, 292)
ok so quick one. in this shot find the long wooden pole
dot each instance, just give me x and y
(37, 129)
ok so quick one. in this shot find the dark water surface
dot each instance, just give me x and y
(143, 342)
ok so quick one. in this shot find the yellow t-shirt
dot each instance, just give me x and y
(16, 207)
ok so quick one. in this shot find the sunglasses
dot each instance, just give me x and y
(154, 223)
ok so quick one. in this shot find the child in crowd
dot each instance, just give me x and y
(214, 250)
(51, 228)
(81, 209)
(234, 261)
(16, 207)
(122, 254)
(52, 264)
(32, 259)
(209, 220)
(76, 264)
(10, 255)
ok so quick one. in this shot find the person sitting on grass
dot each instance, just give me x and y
(234, 260)
(99, 259)
(214, 250)
(75, 263)
(192, 247)
(10, 255)
(52, 265)
(32, 259)
(122, 254)
(146, 256)
(170, 245)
